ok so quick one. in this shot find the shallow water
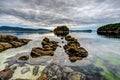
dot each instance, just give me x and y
(102, 62)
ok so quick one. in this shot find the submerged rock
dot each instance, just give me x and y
(57, 72)
(25, 70)
(24, 58)
(76, 76)
(6, 74)
(35, 70)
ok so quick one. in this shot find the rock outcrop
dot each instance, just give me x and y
(61, 31)
(57, 72)
(73, 49)
(9, 41)
(48, 48)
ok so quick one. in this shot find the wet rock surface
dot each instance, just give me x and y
(48, 48)
(6, 74)
(9, 41)
(73, 49)
(57, 72)
(24, 58)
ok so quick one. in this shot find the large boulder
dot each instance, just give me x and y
(61, 31)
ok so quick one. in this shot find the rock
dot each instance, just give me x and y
(4, 46)
(42, 77)
(6, 74)
(37, 52)
(25, 41)
(74, 58)
(16, 44)
(57, 72)
(35, 70)
(13, 67)
(73, 49)
(67, 69)
(70, 38)
(48, 48)
(9, 41)
(61, 31)
(24, 58)
(7, 38)
(25, 70)
(50, 45)
(76, 76)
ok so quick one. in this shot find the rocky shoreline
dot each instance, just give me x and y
(10, 41)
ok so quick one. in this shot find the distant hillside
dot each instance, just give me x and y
(18, 29)
(89, 31)
(109, 29)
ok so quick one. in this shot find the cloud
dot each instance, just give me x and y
(47, 13)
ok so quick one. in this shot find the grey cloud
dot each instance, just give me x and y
(51, 12)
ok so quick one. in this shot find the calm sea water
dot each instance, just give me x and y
(102, 63)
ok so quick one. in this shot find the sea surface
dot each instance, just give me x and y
(102, 63)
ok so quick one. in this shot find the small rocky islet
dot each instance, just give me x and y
(52, 71)
(112, 30)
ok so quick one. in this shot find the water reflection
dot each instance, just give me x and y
(102, 62)
(110, 36)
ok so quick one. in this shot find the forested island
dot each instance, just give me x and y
(109, 29)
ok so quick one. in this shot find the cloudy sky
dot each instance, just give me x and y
(49, 13)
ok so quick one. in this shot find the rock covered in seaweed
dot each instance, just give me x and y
(48, 48)
(73, 49)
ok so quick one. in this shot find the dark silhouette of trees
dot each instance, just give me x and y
(109, 29)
